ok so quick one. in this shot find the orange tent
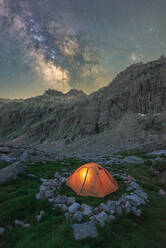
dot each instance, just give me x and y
(92, 180)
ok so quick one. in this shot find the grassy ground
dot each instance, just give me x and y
(17, 201)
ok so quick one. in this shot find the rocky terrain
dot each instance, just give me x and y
(129, 112)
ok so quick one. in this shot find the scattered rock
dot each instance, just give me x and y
(78, 216)
(102, 217)
(111, 217)
(2, 230)
(27, 225)
(104, 207)
(74, 207)
(162, 192)
(39, 196)
(39, 217)
(19, 223)
(119, 210)
(85, 230)
(31, 175)
(86, 209)
(61, 199)
(71, 200)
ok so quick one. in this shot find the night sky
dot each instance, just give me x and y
(83, 44)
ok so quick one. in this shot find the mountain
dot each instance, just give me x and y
(132, 108)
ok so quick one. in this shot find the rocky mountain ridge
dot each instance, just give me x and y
(134, 104)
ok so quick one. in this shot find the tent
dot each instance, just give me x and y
(92, 180)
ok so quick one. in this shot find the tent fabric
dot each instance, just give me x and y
(92, 180)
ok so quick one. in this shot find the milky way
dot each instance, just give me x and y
(75, 44)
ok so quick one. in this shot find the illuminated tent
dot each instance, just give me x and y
(92, 180)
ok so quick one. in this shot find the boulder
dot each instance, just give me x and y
(86, 209)
(71, 200)
(104, 207)
(162, 192)
(74, 207)
(102, 217)
(11, 172)
(19, 223)
(61, 199)
(85, 230)
(78, 216)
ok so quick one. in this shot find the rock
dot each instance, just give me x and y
(111, 205)
(141, 194)
(19, 223)
(157, 153)
(27, 225)
(2, 230)
(63, 208)
(162, 192)
(104, 207)
(111, 217)
(119, 210)
(86, 209)
(24, 157)
(6, 158)
(71, 200)
(102, 217)
(133, 160)
(49, 194)
(135, 199)
(127, 206)
(67, 216)
(61, 199)
(101, 223)
(92, 218)
(11, 172)
(134, 185)
(31, 175)
(39, 217)
(137, 212)
(74, 207)
(78, 216)
(39, 196)
(129, 189)
(85, 230)
(43, 180)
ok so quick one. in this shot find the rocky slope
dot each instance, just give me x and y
(130, 110)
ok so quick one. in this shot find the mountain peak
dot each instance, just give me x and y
(75, 92)
(52, 92)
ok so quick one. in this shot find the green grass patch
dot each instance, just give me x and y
(17, 201)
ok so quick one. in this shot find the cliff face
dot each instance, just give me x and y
(55, 116)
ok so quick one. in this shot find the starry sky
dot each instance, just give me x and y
(82, 44)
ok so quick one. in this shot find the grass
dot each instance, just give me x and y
(17, 201)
